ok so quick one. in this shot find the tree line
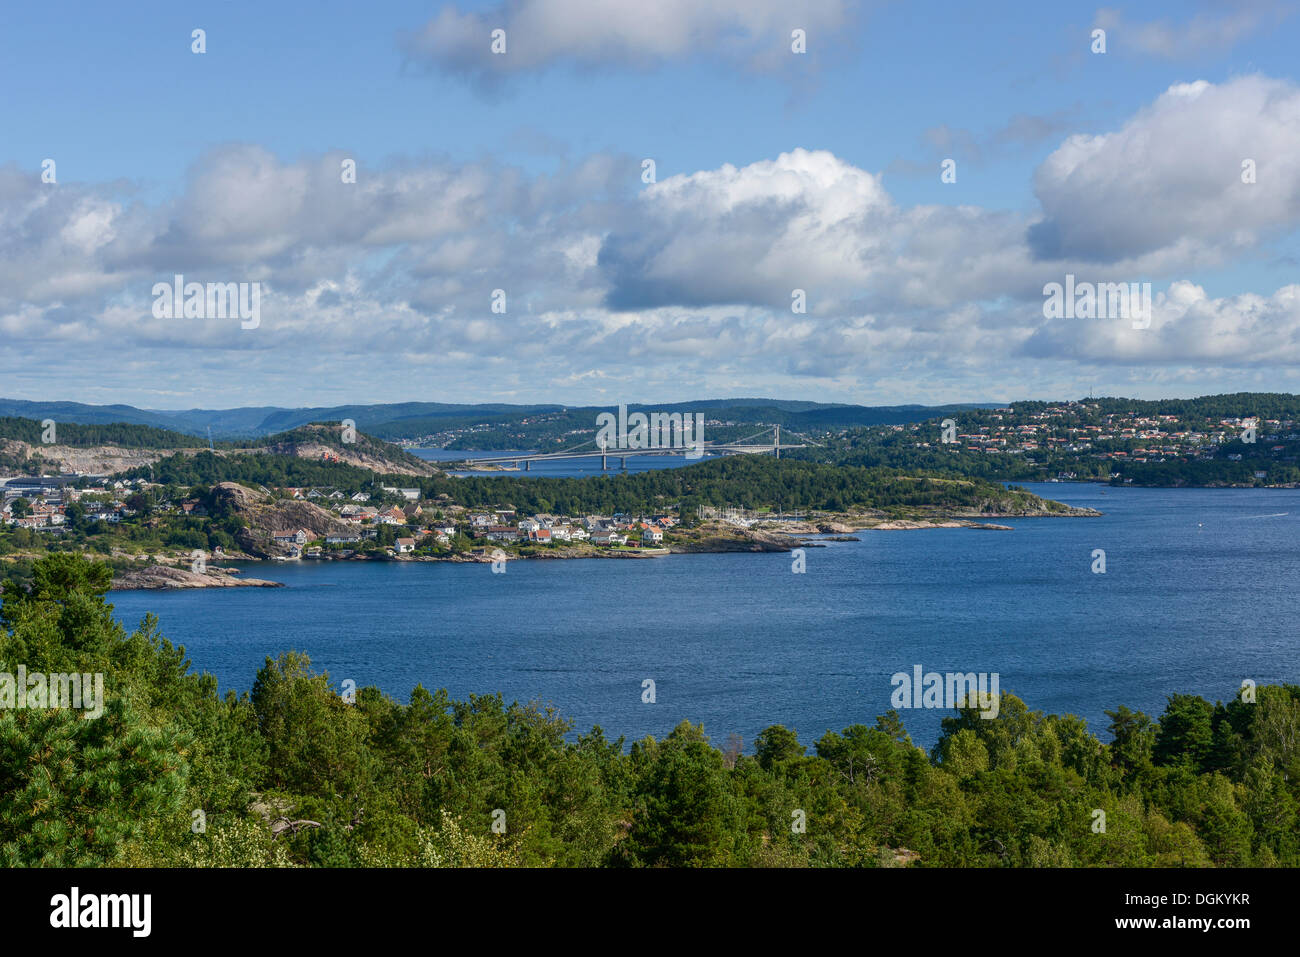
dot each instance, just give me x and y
(749, 480)
(118, 433)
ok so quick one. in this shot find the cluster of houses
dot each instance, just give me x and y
(431, 524)
(327, 495)
(44, 514)
(502, 526)
(1146, 438)
(48, 500)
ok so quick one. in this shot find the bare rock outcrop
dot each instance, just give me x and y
(164, 576)
(320, 442)
(266, 517)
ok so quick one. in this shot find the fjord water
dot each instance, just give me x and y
(1199, 593)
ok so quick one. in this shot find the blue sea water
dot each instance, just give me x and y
(1199, 593)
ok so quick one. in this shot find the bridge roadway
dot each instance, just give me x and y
(623, 454)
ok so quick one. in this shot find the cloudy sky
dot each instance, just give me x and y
(526, 171)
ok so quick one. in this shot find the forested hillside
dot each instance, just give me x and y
(488, 422)
(118, 433)
(749, 480)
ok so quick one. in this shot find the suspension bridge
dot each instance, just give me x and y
(589, 450)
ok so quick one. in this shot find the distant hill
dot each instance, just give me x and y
(122, 447)
(494, 422)
(252, 421)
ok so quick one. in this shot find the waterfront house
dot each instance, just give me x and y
(296, 537)
(405, 545)
(652, 536)
(393, 516)
(540, 535)
(502, 533)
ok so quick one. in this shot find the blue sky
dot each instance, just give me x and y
(522, 172)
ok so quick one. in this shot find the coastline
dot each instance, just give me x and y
(763, 537)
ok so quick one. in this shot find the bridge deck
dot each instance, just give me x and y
(621, 453)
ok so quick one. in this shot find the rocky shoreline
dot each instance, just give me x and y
(156, 577)
(904, 524)
(710, 539)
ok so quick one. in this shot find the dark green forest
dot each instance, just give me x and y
(207, 468)
(750, 480)
(119, 433)
(296, 774)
